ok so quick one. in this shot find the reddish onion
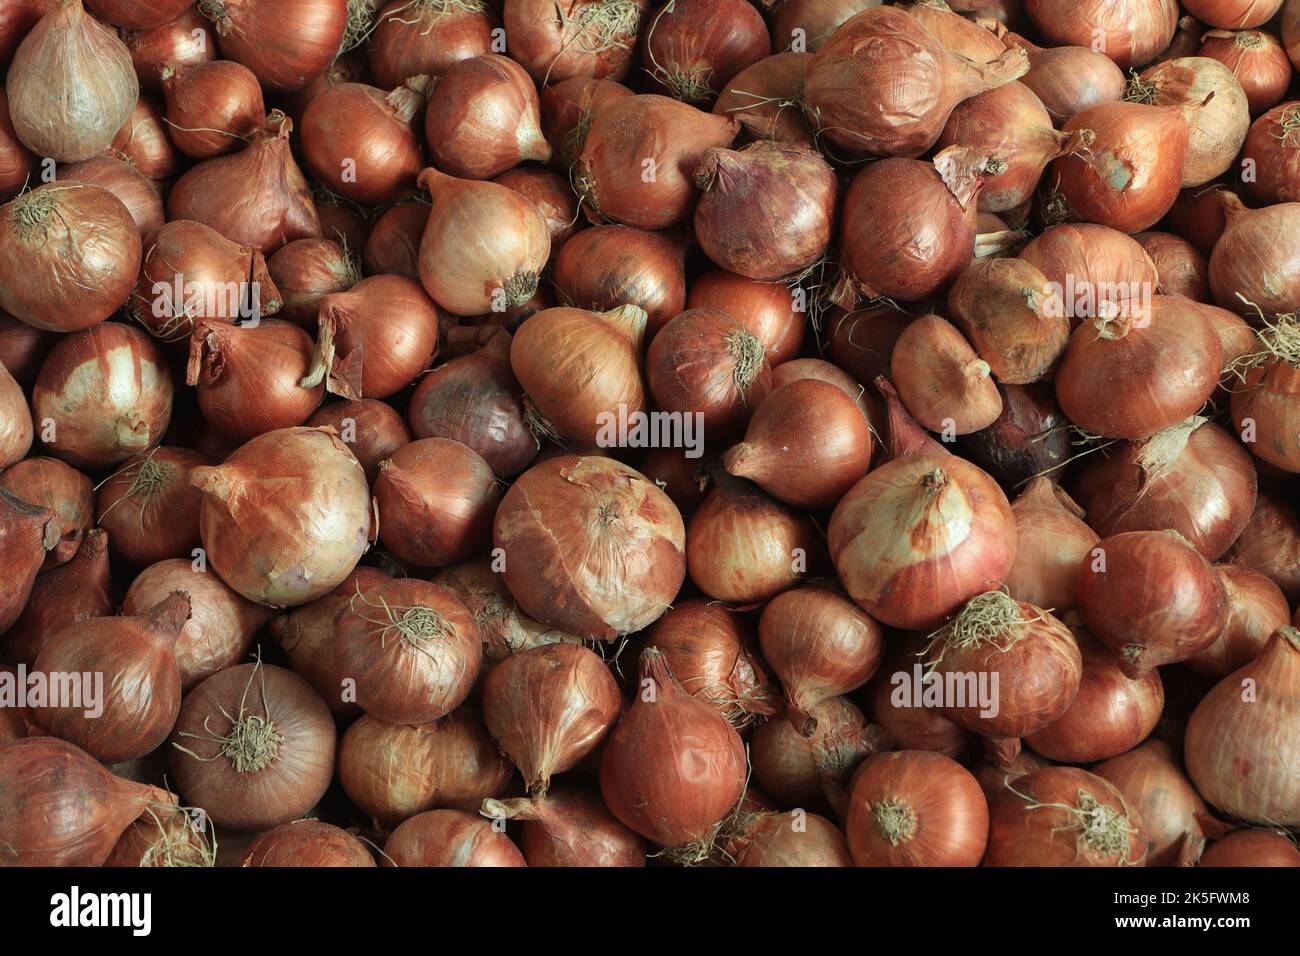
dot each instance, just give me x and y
(903, 714)
(372, 430)
(166, 835)
(956, 33)
(607, 266)
(15, 421)
(774, 839)
(770, 310)
(1271, 544)
(307, 843)
(1095, 270)
(567, 111)
(16, 20)
(72, 593)
(23, 348)
(136, 14)
(1257, 259)
(1163, 798)
(1252, 848)
(1256, 59)
(49, 483)
(862, 339)
(280, 549)
(1012, 316)
(1265, 409)
(1236, 14)
(185, 41)
(139, 195)
(360, 142)
(26, 533)
(570, 827)
(393, 247)
(764, 97)
(1242, 741)
(440, 838)
(1069, 79)
(1180, 265)
(553, 196)
(1030, 438)
(149, 507)
(693, 47)
(591, 546)
(1291, 32)
(212, 108)
(306, 270)
(1199, 215)
(103, 395)
(796, 369)
(578, 38)
(253, 746)
(1130, 32)
(285, 42)
(943, 383)
(810, 23)
(1257, 608)
(1051, 542)
(144, 143)
(1272, 153)
(418, 36)
(342, 221)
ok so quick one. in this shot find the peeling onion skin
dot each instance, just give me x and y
(26, 533)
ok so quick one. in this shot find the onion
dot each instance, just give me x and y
(140, 196)
(1218, 123)
(284, 549)
(1291, 32)
(1252, 848)
(141, 695)
(714, 651)
(71, 85)
(884, 84)
(26, 533)
(184, 41)
(253, 746)
(607, 266)
(419, 36)
(16, 21)
(1191, 477)
(904, 718)
(1130, 32)
(915, 808)
(1095, 270)
(1271, 544)
(1167, 345)
(275, 204)
(862, 339)
(372, 430)
(1257, 608)
(221, 625)
(137, 14)
(70, 255)
(764, 97)
(1236, 336)
(673, 767)
(820, 646)
(285, 42)
(16, 161)
(951, 531)
(1069, 79)
(212, 108)
(769, 310)
(343, 221)
(548, 707)
(745, 547)
(693, 47)
(23, 348)
(249, 377)
(149, 507)
(591, 546)
(1030, 438)
(15, 421)
(1265, 409)
(1063, 816)
(578, 38)
(66, 492)
(1051, 542)
(637, 135)
(775, 840)
(798, 369)
(360, 142)
(74, 592)
(1170, 809)
(1013, 317)
(450, 838)
(394, 244)
(908, 227)
(103, 395)
(1242, 742)
(484, 246)
(144, 143)
(811, 23)
(307, 843)
(1272, 154)
(305, 271)
(955, 33)
(551, 193)
(85, 807)
(1236, 14)
(570, 827)
(567, 111)
(943, 383)
(684, 480)
(1256, 59)
(766, 210)
(1182, 269)
(166, 835)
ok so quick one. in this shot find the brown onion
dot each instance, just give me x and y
(15, 421)
(811, 23)
(1256, 59)
(26, 533)
(149, 507)
(1233, 13)
(1252, 848)
(693, 47)
(285, 549)
(1271, 544)
(571, 527)
(1130, 32)
(1257, 608)
(1291, 32)
(136, 14)
(342, 221)
(16, 20)
(945, 385)
(862, 339)
(372, 430)
(1094, 270)
(570, 827)
(285, 42)
(607, 266)
(1182, 269)
(568, 108)
(1069, 79)
(764, 97)
(74, 592)
(796, 369)
(1254, 263)
(393, 247)
(1030, 438)
(578, 38)
(360, 142)
(553, 196)
(166, 835)
(212, 108)
(800, 839)
(770, 310)
(23, 348)
(306, 270)
(440, 838)
(418, 36)
(1272, 155)
(1012, 316)
(140, 196)
(956, 33)
(1155, 786)
(49, 483)
(307, 843)
(1051, 542)
(143, 142)
(896, 701)
(185, 41)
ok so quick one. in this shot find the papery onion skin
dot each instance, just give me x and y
(1052, 540)
(795, 840)
(427, 39)
(1273, 147)
(763, 97)
(165, 835)
(571, 827)
(49, 483)
(439, 838)
(571, 527)
(276, 549)
(16, 21)
(894, 704)
(862, 339)
(26, 534)
(394, 771)
(1069, 79)
(307, 843)
(1030, 437)
(343, 222)
(916, 808)
(372, 430)
(944, 384)
(136, 14)
(767, 309)
(285, 42)
(693, 47)
(212, 108)
(1291, 32)
(23, 348)
(1256, 59)
(580, 38)
(149, 507)
(1257, 608)
(1236, 14)
(107, 393)
(553, 196)
(604, 267)
(186, 40)
(305, 270)
(1133, 32)
(1256, 259)
(811, 22)
(74, 592)
(1012, 316)
(140, 196)
(360, 142)
(567, 111)
(1153, 783)
(1092, 268)
(1252, 848)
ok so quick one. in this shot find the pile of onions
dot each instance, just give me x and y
(393, 247)
(908, 227)
(798, 839)
(765, 211)
(764, 98)
(307, 843)
(593, 546)
(620, 181)
(435, 498)
(745, 547)
(820, 646)
(450, 838)
(412, 38)
(1274, 145)
(86, 808)
(103, 395)
(1164, 799)
(253, 746)
(483, 247)
(250, 378)
(693, 47)
(1069, 79)
(394, 771)
(275, 204)
(1012, 315)
(305, 271)
(66, 492)
(1130, 32)
(212, 108)
(607, 266)
(69, 256)
(71, 85)
(1256, 59)
(1152, 598)
(1257, 259)
(411, 647)
(483, 118)
(1252, 848)
(1271, 544)
(712, 652)
(1052, 540)
(548, 707)
(1163, 341)
(673, 767)
(567, 111)
(221, 625)
(278, 548)
(916, 808)
(943, 382)
(570, 827)
(141, 683)
(360, 142)
(578, 38)
(69, 594)
(770, 310)
(184, 41)
(285, 42)
(1063, 816)
(1256, 608)
(1243, 741)
(921, 534)
(149, 507)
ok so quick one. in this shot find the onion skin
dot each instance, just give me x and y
(909, 727)
(360, 142)
(186, 41)
(15, 422)
(136, 14)
(812, 22)
(1267, 239)
(1236, 14)
(673, 767)
(343, 223)
(916, 808)
(67, 493)
(307, 843)
(17, 20)
(629, 135)
(149, 508)
(72, 593)
(1069, 79)
(140, 196)
(26, 533)
(144, 143)
(693, 47)
(426, 40)
(279, 550)
(440, 838)
(394, 771)
(1274, 147)
(372, 430)
(758, 96)
(393, 247)
(862, 339)
(71, 252)
(1093, 261)
(1252, 848)
(565, 549)
(1052, 540)
(165, 835)
(272, 787)
(1183, 270)
(1266, 411)
(766, 309)
(1257, 608)
(1154, 785)
(820, 646)
(553, 196)
(1256, 59)
(70, 86)
(1133, 33)
(797, 840)
(945, 385)
(604, 267)
(1217, 127)
(285, 42)
(306, 270)
(221, 625)
(23, 348)
(212, 108)
(1291, 33)
(1012, 316)
(579, 38)
(1042, 819)
(570, 827)
(1271, 544)
(567, 111)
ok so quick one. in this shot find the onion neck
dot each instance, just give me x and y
(1046, 494)
(906, 437)
(167, 618)
(630, 321)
